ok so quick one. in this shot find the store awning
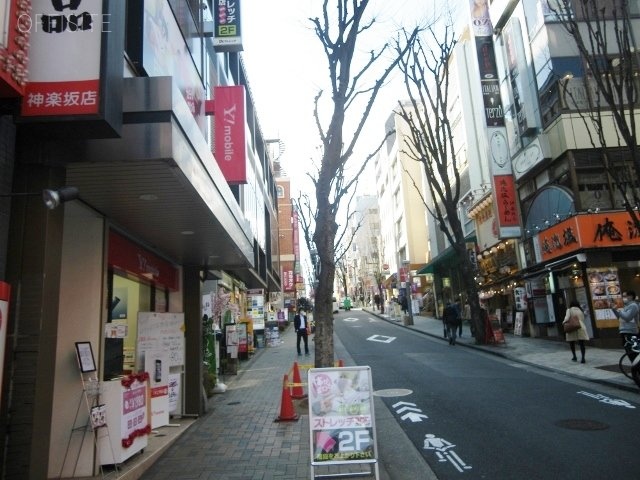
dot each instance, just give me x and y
(390, 279)
(446, 258)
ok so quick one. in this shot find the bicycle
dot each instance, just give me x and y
(628, 364)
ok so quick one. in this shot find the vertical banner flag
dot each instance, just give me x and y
(230, 143)
(226, 37)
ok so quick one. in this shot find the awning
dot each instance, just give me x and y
(448, 256)
(391, 278)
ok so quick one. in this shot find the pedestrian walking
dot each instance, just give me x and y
(300, 325)
(452, 321)
(580, 335)
(404, 304)
(466, 315)
(627, 315)
(458, 306)
(376, 300)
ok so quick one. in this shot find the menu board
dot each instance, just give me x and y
(604, 286)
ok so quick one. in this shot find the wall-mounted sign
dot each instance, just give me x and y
(230, 138)
(227, 33)
(531, 155)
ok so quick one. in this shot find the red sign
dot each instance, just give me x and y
(61, 98)
(14, 47)
(131, 258)
(230, 142)
(505, 197)
(288, 284)
(161, 391)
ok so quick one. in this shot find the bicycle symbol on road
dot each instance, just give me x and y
(444, 451)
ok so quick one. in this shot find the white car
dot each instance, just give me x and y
(336, 306)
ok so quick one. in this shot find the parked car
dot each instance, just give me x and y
(336, 306)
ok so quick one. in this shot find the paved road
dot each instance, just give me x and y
(480, 416)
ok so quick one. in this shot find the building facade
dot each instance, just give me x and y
(133, 104)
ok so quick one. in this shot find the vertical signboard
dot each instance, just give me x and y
(227, 33)
(341, 417)
(504, 192)
(64, 58)
(230, 141)
(5, 292)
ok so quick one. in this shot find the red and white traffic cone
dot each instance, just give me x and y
(287, 412)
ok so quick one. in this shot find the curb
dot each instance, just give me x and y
(607, 383)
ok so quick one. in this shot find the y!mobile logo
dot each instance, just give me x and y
(45, 23)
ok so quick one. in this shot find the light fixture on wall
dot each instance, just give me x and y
(51, 198)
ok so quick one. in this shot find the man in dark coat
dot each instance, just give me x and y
(300, 325)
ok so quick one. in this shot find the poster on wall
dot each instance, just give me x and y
(341, 416)
(604, 286)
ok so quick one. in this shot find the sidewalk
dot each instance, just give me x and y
(239, 439)
(601, 364)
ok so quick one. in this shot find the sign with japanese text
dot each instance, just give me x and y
(599, 230)
(288, 283)
(506, 206)
(227, 32)
(341, 416)
(64, 57)
(230, 136)
(134, 411)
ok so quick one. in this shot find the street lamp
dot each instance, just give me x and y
(407, 265)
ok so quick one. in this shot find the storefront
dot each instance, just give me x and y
(591, 258)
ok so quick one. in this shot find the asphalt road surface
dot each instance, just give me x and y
(475, 415)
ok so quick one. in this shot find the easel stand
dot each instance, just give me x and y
(96, 420)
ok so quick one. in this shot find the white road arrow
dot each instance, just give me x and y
(404, 403)
(414, 417)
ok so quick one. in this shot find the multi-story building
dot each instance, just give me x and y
(403, 218)
(363, 257)
(116, 100)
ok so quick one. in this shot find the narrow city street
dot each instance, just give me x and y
(480, 416)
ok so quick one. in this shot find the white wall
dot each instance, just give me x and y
(80, 318)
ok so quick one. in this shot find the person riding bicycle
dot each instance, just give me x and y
(627, 316)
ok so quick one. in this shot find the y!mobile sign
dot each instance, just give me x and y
(230, 148)
(65, 53)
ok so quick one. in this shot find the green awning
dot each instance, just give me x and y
(446, 258)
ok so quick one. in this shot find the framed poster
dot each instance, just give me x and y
(85, 357)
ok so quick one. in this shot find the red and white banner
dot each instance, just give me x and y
(5, 292)
(288, 284)
(230, 138)
(64, 57)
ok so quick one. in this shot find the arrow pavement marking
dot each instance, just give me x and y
(414, 414)
(414, 417)
(381, 338)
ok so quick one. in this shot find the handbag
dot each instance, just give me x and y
(572, 324)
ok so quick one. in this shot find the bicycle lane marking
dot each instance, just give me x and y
(608, 400)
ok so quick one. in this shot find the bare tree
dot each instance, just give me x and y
(604, 36)
(339, 32)
(430, 141)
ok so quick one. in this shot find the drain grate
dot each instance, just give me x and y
(581, 424)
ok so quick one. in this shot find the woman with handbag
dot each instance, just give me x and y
(575, 317)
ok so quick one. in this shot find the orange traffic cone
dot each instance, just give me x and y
(297, 391)
(287, 412)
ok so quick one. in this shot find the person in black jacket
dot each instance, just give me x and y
(300, 325)
(452, 320)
